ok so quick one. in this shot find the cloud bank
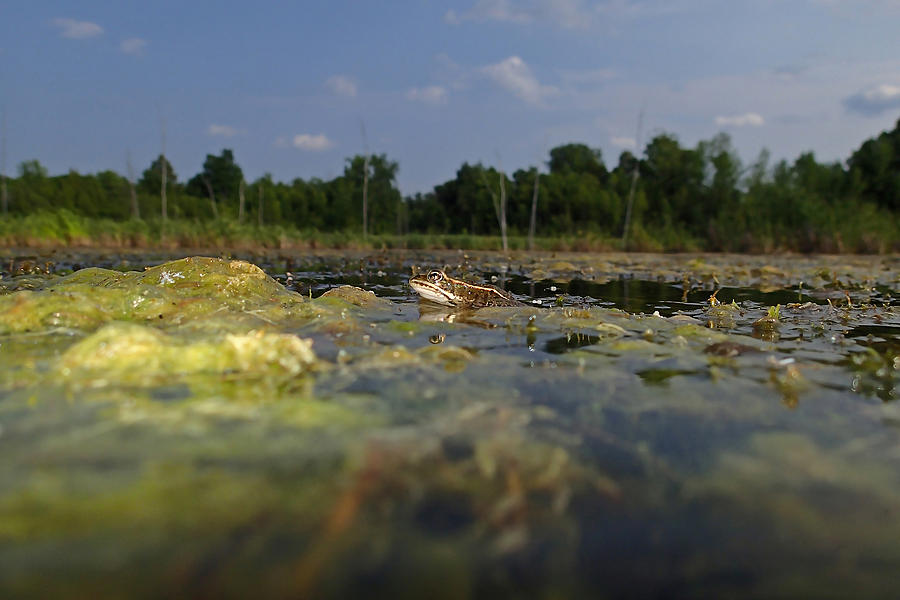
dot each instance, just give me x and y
(74, 29)
(515, 76)
(874, 101)
(623, 142)
(750, 119)
(432, 94)
(221, 130)
(342, 86)
(566, 14)
(134, 46)
(490, 10)
(312, 143)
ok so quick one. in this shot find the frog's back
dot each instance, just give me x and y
(479, 296)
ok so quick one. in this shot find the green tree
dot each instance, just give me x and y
(467, 202)
(577, 158)
(521, 193)
(223, 176)
(828, 182)
(33, 190)
(151, 179)
(32, 170)
(82, 194)
(673, 178)
(721, 194)
(875, 169)
(383, 196)
(426, 215)
(117, 201)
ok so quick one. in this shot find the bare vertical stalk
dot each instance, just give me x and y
(365, 206)
(212, 197)
(4, 198)
(503, 210)
(634, 179)
(532, 225)
(366, 197)
(498, 201)
(241, 202)
(135, 209)
(259, 214)
(494, 199)
(164, 209)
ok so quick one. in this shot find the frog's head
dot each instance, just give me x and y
(435, 286)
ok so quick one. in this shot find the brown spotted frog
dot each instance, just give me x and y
(438, 287)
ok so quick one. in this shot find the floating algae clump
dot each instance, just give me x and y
(124, 352)
(168, 294)
(202, 317)
(357, 297)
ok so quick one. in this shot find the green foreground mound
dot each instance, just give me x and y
(171, 294)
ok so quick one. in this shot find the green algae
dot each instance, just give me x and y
(355, 296)
(137, 355)
(170, 294)
(101, 327)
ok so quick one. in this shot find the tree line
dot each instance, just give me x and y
(700, 197)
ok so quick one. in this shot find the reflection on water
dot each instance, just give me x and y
(193, 436)
(570, 342)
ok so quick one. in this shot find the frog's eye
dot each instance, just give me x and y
(435, 276)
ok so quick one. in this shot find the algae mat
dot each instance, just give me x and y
(669, 426)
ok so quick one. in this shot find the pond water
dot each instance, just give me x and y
(672, 426)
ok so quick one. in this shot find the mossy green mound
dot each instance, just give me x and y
(123, 352)
(173, 293)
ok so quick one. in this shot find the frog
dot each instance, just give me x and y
(438, 287)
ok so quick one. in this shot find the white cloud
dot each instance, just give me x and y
(134, 46)
(451, 73)
(313, 143)
(874, 100)
(432, 94)
(490, 10)
(77, 30)
(747, 119)
(221, 130)
(640, 9)
(588, 77)
(790, 72)
(515, 76)
(623, 142)
(854, 5)
(568, 14)
(341, 85)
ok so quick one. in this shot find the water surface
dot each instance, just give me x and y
(201, 429)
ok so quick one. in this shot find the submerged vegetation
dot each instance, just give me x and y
(206, 428)
(685, 199)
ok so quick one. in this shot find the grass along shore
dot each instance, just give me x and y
(67, 229)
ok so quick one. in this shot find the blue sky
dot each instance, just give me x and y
(288, 84)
